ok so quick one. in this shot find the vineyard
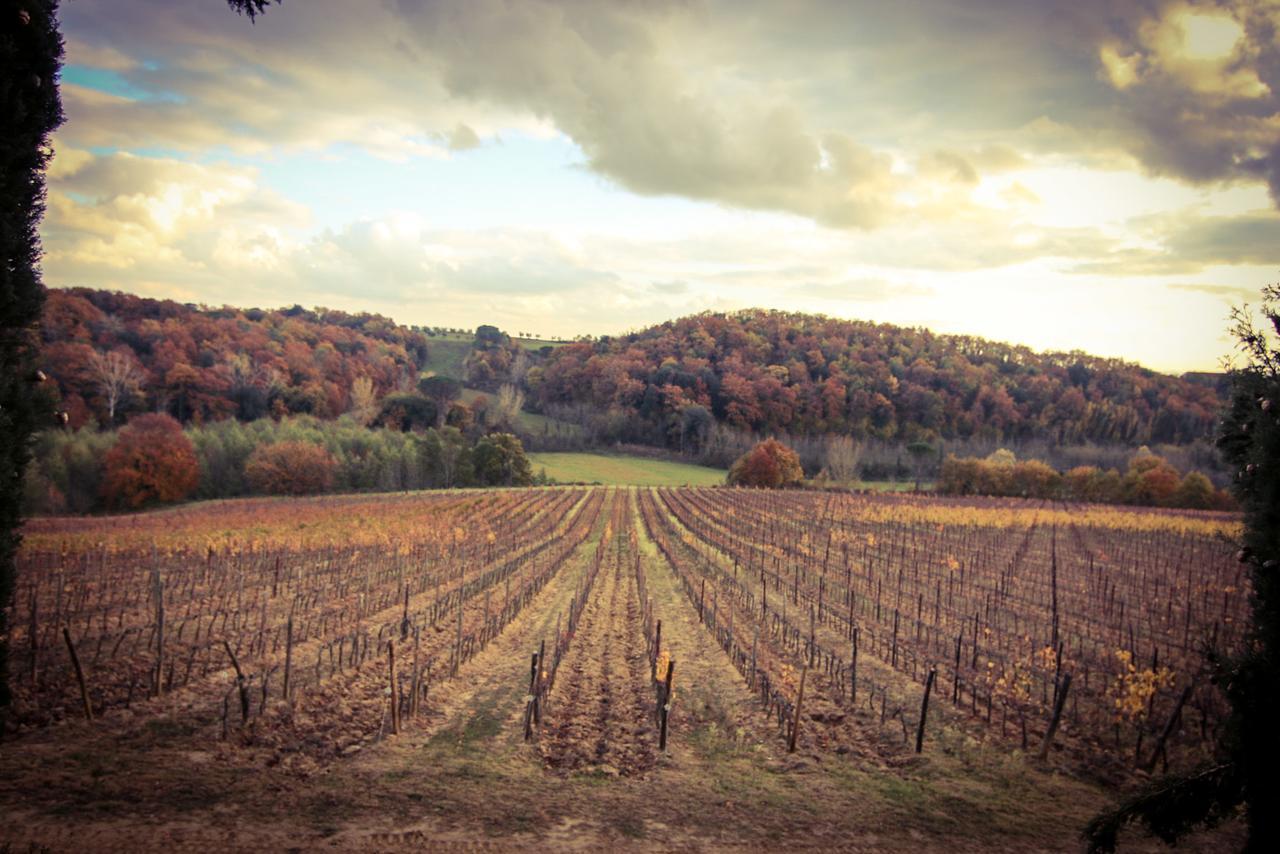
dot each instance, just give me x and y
(620, 632)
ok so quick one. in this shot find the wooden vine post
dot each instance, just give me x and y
(666, 705)
(853, 669)
(924, 709)
(288, 656)
(795, 720)
(394, 689)
(653, 657)
(457, 644)
(1169, 726)
(75, 662)
(157, 591)
(1057, 717)
(240, 683)
(529, 698)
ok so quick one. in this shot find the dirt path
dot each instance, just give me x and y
(600, 712)
(487, 699)
(713, 711)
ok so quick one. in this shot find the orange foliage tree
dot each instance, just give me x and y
(290, 468)
(152, 461)
(769, 464)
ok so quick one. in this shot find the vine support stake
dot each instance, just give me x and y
(75, 662)
(924, 708)
(795, 720)
(395, 693)
(666, 705)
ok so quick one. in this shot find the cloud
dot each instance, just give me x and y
(1230, 293)
(862, 290)
(1247, 239)
(463, 138)
(137, 223)
(1181, 243)
(673, 288)
(1199, 90)
(133, 222)
(846, 114)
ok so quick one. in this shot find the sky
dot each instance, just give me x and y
(1096, 175)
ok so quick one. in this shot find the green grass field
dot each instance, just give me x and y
(538, 343)
(613, 470)
(446, 354)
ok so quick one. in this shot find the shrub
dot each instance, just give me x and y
(770, 464)
(152, 461)
(290, 468)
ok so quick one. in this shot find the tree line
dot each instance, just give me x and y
(1148, 480)
(155, 460)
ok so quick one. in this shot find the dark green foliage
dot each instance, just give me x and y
(440, 390)
(1250, 445)
(694, 425)
(30, 56)
(445, 458)
(491, 336)
(251, 9)
(500, 461)
(1249, 747)
(406, 412)
(1170, 807)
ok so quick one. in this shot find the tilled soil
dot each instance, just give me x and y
(600, 712)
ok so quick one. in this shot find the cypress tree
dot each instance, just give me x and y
(30, 109)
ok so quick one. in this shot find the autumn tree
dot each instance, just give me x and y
(364, 400)
(151, 462)
(506, 408)
(1150, 480)
(770, 371)
(841, 455)
(290, 468)
(117, 375)
(1195, 492)
(768, 464)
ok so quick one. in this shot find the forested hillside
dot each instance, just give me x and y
(768, 371)
(112, 355)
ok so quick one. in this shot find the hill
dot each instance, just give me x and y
(779, 372)
(112, 354)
